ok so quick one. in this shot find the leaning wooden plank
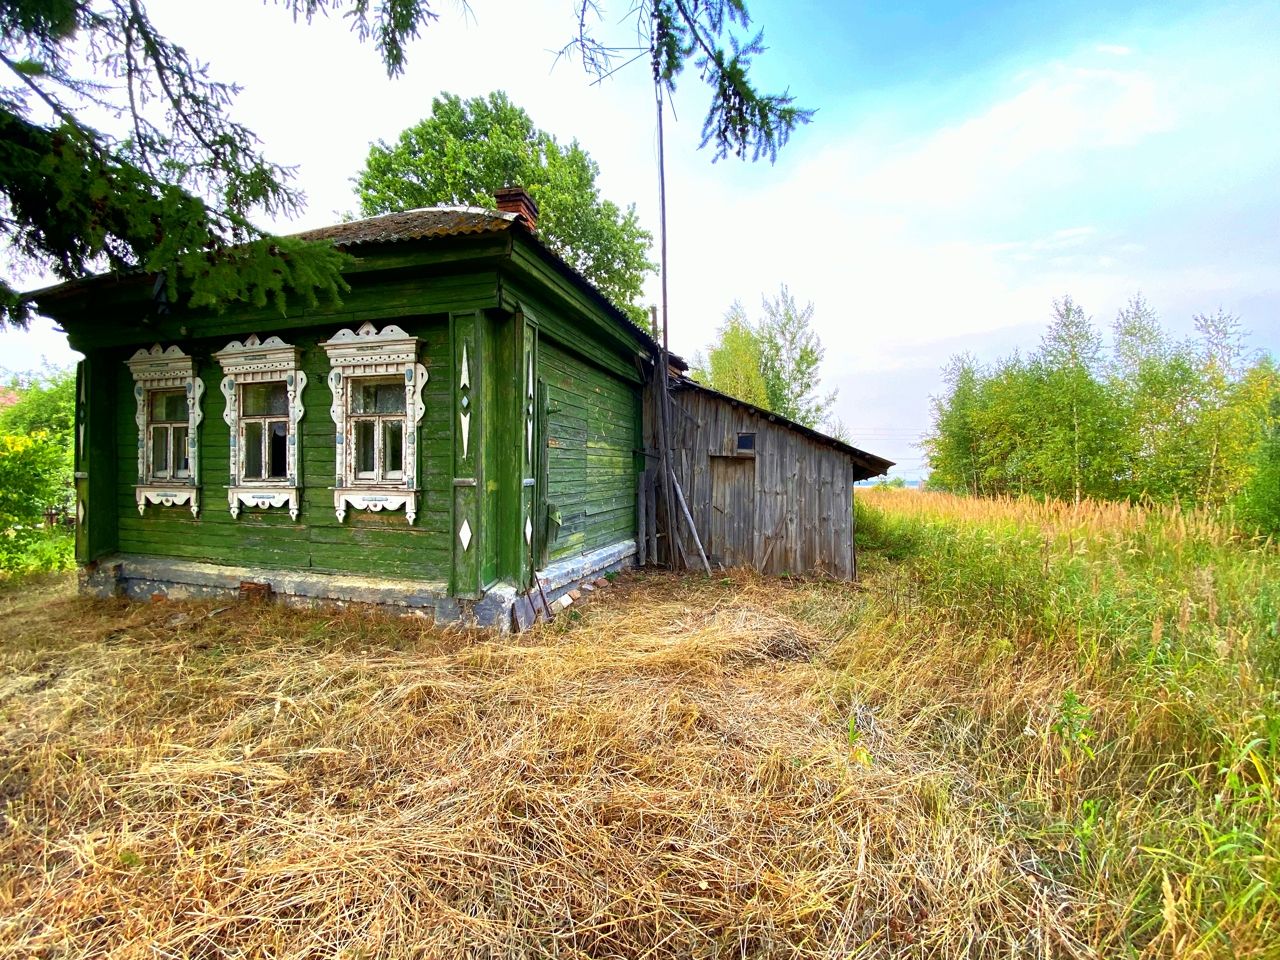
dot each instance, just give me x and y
(693, 531)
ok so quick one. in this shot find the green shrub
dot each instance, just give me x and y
(34, 476)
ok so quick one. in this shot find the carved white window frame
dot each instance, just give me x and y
(372, 354)
(166, 369)
(263, 361)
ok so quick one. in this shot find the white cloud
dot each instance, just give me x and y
(1082, 174)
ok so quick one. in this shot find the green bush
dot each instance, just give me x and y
(34, 478)
(1259, 502)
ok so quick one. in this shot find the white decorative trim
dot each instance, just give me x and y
(167, 369)
(528, 531)
(369, 352)
(375, 500)
(464, 402)
(464, 535)
(263, 361)
(263, 497)
(528, 410)
(167, 497)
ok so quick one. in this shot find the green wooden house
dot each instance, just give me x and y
(471, 413)
(471, 410)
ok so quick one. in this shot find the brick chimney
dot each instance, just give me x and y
(516, 200)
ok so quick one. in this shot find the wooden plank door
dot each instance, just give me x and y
(733, 511)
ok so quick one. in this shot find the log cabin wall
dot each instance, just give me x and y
(761, 493)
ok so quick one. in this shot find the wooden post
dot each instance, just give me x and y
(95, 466)
(641, 532)
(664, 457)
(853, 529)
(651, 514)
(469, 415)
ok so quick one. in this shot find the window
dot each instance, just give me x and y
(263, 389)
(377, 385)
(169, 455)
(377, 428)
(264, 430)
(168, 395)
(746, 444)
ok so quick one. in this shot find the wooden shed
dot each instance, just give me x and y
(763, 491)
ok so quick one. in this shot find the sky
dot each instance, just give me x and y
(965, 166)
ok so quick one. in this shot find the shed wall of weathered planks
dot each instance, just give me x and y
(787, 509)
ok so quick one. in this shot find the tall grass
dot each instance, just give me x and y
(1032, 731)
(1106, 677)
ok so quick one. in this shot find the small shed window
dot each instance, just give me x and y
(746, 444)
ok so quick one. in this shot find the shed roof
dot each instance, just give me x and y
(869, 463)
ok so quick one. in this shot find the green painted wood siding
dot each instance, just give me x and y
(373, 544)
(592, 425)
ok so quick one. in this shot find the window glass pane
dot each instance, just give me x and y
(168, 406)
(159, 451)
(391, 398)
(277, 443)
(393, 449)
(253, 450)
(181, 462)
(264, 399)
(365, 440)
(378, 397)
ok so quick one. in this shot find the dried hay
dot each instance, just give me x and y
(669, 774)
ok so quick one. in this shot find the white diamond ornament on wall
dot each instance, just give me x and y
(464, 535)
(464, 401)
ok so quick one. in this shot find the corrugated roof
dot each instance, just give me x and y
(413, 225)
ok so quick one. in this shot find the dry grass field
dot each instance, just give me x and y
(677, 768)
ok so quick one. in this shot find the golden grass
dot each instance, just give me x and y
(1109, 677)
(679, 769)
(1101, 520)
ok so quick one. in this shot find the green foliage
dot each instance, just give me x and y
(1107, 674)
(169, 195)
(1071, 726)
(33, 476)
(772, 363)
(735, 362)
(740, 119)
(36, 464)
(1258, 503)
(467, 149)
(172, 190)
(46, 401)
(1150, 419)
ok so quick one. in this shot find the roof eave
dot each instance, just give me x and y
(874, 465)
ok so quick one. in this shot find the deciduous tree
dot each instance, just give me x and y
(773, 362)
(467, 149)
(173, 188)
(1189, 422)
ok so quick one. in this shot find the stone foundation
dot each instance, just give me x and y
(144, 577)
